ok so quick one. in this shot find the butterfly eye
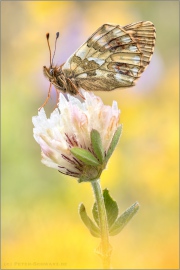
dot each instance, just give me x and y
(51, 71)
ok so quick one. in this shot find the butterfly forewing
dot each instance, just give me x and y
(113, 57)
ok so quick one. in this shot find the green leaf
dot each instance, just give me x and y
(97, 145)
(111, 209)
(95, 213)
(121, 222)
(94, 230)
(84, 156)
(113, 143)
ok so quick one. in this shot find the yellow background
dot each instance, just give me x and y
(40, 223)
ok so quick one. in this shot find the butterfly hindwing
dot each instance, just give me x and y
(112, 57)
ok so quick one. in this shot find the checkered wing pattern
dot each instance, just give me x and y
(113, 57)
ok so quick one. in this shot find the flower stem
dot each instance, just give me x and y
(105, 248)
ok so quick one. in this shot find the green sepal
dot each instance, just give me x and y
(97, 145)
(122, 220)
(94, 230)
(111, 209)
(113, 143)
(85, 156)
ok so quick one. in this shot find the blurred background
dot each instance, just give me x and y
(41, 228)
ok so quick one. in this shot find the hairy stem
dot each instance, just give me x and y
(105, 248)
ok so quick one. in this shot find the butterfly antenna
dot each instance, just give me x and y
(57, 35)
(47, 37)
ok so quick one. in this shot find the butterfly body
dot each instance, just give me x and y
(113, 57)
(62, 81)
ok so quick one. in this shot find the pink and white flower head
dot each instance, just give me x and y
(71, 125)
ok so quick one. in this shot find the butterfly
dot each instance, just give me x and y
(113, 57)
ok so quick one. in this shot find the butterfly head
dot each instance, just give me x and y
(49, 72)
(54, 75)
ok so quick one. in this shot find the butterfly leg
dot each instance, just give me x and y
(81, 95)
(57, 99)
(49, 93)
(76, 89)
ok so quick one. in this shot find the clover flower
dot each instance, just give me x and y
(77, 139)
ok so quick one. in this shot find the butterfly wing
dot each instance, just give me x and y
(112, 57)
